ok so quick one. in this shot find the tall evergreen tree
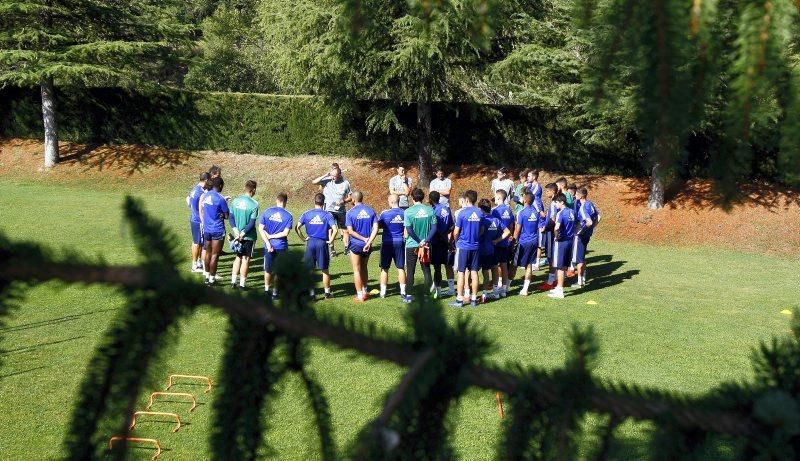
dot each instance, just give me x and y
(388, 52)
(63, 43)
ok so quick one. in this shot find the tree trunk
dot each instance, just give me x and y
(50, 127)
(424, 143)
(656, 199)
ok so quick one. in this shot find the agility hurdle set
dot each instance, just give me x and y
(161, 395)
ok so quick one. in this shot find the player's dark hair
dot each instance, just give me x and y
(250, 186)
(527, 199)
(215, 171)
(561, 181)
(438, 169)
(217, 183)
(471, 196)
(583, 191)
(523, 173)
(551, 186)
(400, 165)
(560, 198)
(204, 176)
(283, 198)
(572, 187)
(433, 197)
(502, 193)
(535, 174)
(502, 169)
(319, 199)
(485, 205)
(418, 195)
(208, 185)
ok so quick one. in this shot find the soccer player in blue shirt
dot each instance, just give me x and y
(362, 227)
(526, 233)
(274, 226)
(213, 213)
(563, 232)
(534, 187)
(193, 202)
(469, 227)
(440, 244)
(321, 229)
(494, 232)
(550, 190)
(503, 248)
(588, 218)
(393, 246)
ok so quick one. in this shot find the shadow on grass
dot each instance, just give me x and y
(49, 322)
(39, 346)
(129, 159)
(15, 373)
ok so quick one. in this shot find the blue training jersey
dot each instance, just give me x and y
(536, 190)
(469, 223)
(552, 211)
(566, 219)
(275, 221)
(391, 221)
(493, 229)
(444, 220)
(528, 220)
(538, 206)
(506, 216)
(214, 208)
(360, 218)
(318, 222)
(587, 210)
(194, 203)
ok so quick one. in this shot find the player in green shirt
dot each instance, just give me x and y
(420, 224)
(243, 217)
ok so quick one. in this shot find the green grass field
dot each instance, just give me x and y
(675, 318)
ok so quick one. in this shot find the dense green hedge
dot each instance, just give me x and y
(265, 124)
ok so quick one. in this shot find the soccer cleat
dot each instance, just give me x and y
(535, 268)
(577, 285)
(456, 303)
(559, 294)
(358, 299)
(365, 296)
(546, 286)
(406, 299)
(197, 269)
(474, 303)
(450, 292)
(523, 292)
(503, 293)
(332, 253)
(346, 251)
(328, 295)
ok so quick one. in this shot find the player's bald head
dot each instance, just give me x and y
(394, 200)
(358, 196)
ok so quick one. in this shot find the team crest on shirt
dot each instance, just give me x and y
(397, 219)
(316, 220)
(421, 213)
(362, 215)
(474, 217)
(276, 217)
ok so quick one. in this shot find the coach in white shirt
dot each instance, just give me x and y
(441, 185)
(400, 185)
(502, 182)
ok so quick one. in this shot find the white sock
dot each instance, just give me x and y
(233, 279)
(451, 284)
(327, 290)
(473, 297)
(266, 288)
(383, 290)
(205, 274)
(311, 292)
(402, 289)
(242, 280)
(499, 282)
(466, 292)
(525, 285)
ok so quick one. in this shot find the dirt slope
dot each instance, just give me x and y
(765, 221)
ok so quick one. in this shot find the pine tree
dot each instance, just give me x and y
(67, 43)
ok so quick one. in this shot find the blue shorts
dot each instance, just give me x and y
(562, 254)
(439, 249)
(467, 260)
(357, 247)
(548, 246)
(503, 254)
(197, 236)
(488, 261)
(579, 245)
(451, 258)
(317, 255)
(526, 253)
(393, 251)
(209, 236)
(270, 258)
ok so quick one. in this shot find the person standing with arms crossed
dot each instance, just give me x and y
(441, 185)
(502, 182)
(274, 227)
(243, 217)
(400, 185)
(336, 191)
(362, 228)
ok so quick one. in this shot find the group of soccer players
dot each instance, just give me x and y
(481, 245)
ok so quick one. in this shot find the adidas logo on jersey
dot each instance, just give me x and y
(241, 206)
(506, 215)
(532, 217)
(421, 213)
(443, 213)
(474, 217)
(397, 220)
(208, 201)
(362, 215)
(316, 220)
(276, 217)
(493, 226)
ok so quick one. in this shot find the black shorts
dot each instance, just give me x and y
(339, 216)
(247, 248)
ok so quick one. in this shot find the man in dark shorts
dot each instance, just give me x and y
(243, 217)
(527, 235)
(494, 232)
(274, 227)
(467, 232)
(563, 232)
(362, 228)
(321, 229)
(213, 212)
(502, 250)
(440, 243)
(193, 202)
(420, 226)
(336, 191)
(588, 217)
(393, 246)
